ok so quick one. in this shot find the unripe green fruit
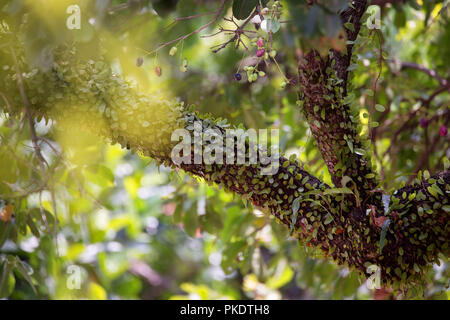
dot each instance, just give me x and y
(173, 51)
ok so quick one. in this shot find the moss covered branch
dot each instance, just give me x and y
(333, 119)
(334, 220)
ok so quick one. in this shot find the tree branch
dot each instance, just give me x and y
(342, 223)
(26, 104)
(432, 73)
(327, 107)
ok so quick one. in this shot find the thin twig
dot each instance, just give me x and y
(237, 34)
(26, 103)
(428, 150)
(6, 101)
(432, 73)
(189, 18)
(123, 6)
(216, 17)
(412, 113)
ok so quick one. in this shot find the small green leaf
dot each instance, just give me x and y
(230, 254)
(295, 207)
(345, 180)
(7, 280)
(190, 221)
(22, 267)
(34, 229)
(328, 219)
(5, 229)
(446, 163)
(437, 189)
(380, 108)
(338, 191)
(352, 67)
(432, 192)
(350, 145)
(243, 8)
(270, 25)
(349, 26)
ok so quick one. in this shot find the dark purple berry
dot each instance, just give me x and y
(237, 77)
(443, 131)
(139, 61)
(424, 122)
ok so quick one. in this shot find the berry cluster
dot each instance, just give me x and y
(442, 130)
(268, 21)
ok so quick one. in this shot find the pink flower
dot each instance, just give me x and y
(260, 42)
(260, 52)
(443, 131)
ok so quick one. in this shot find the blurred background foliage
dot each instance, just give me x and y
(132, 230)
